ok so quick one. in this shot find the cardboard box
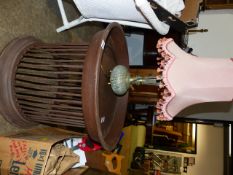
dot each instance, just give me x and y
(28, 152)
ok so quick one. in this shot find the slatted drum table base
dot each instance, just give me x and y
(65, 84)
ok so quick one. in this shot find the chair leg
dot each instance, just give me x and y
(62, 11)
(147, 11)
(66, 23)
(71, 24)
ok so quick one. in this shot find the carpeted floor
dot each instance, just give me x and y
(38, 18)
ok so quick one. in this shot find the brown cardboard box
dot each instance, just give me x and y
(28, 152)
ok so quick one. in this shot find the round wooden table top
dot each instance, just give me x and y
(104, 112)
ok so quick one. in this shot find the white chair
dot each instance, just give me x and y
(134, 13)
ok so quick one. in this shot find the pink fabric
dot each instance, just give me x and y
(188, 80)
